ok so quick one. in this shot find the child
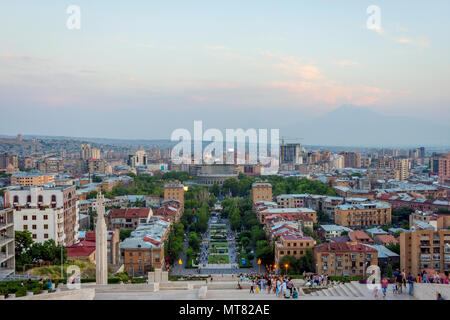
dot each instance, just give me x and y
(375, 292)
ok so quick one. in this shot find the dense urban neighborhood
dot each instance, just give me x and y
(333, 214)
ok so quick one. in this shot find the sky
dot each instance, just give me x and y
(141, 69)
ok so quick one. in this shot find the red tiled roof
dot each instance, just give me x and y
(359, 235)
(129, 213)
(343, 247)
(387, 238)
(80, 251)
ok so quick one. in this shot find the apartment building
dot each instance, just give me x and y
(344, 259)
(401, 169)
(47, 212)
(261, 191)
(262, 213)
(293, 245)
(51, 165)
(144, 249)
(31, 179)
(174, 190)
(127, 218)
(363, 214)
(444, 169)
(425, 249)
(7, 248)
(352, 159)
(291, 200)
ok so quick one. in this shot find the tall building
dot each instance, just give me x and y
(261, 191)
(51, 165)
(425, 249)
(174, 190)
(364, 214)
(47, 212)
(8, 159)
(95, 154)
(139, 158)
(291, 153)
(352, 159)
(96, 166)
(85, 152)
(444, 169)
(7, 249)
(401, 169)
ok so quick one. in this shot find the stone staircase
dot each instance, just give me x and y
(349, 290)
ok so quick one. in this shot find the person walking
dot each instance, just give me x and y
(269, 285)
(384, 286)
(410, 283)
(252, 284)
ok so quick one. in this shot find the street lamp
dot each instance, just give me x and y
(286, 266)
(259, 265)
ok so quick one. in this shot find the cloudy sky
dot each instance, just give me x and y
(140, 69)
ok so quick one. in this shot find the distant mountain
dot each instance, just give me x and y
(351, 125)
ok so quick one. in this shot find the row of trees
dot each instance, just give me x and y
(297, 266)
(28, 253)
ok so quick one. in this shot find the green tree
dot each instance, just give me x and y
(235, 219)
(194, 241)
(23, 241)
(92, 195)
(125, 233)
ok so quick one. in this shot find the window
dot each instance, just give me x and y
(33, 227)
(45, 235)
(25, 227)
(45, 226)
(131, 254)
(40, 198)
(53, 198)
(16, 198)
(33, 217)
(28, 199)
(25, 217)
(34, 236)
(45, 217)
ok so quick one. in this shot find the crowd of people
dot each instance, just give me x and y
(281, 286)
(405, 283)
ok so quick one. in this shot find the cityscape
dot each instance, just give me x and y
(225, 162)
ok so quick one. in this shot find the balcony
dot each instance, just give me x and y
(425, 257)
(325, 259)
(5, 240)
(4, 257)
(436, 257)
(447, 258)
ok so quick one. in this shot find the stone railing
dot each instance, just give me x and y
(428, 291)
(81, 294)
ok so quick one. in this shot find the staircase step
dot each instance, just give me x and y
(341, 291)
(357, 289)
(325, 292)
(351, 290)
(334, 292)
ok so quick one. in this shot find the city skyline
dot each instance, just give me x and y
(252, 65)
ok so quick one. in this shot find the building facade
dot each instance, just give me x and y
(363, 214)
(47, 212)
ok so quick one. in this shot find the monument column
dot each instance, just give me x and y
(101, 260)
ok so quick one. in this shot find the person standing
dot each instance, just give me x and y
(384, 286)
(252, 284)
(410, 283)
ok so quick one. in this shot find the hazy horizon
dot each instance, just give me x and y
(139, 70)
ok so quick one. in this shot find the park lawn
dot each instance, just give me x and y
(219, 258)
(218, 244)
